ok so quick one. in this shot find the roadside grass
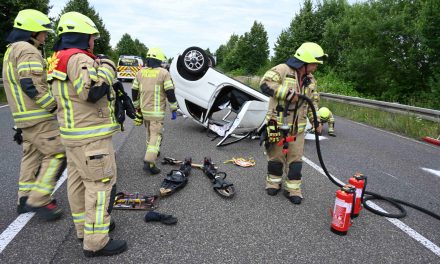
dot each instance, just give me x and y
(410, 126)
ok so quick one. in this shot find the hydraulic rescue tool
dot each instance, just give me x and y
(176, 179)
(135, 201)
(356, 191)
(220, 185)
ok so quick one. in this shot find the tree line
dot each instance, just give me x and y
(126, 45)
(381, 49)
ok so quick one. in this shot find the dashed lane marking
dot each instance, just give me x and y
(15, 227)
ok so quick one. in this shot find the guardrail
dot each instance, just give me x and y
(423, 113)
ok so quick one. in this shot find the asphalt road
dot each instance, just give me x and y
(252, 227)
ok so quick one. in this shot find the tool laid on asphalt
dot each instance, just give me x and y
(242, 162)
(176, 179)
(173, 161)
(136, 201)
(220, 185)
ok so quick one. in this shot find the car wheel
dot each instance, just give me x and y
(195, 61)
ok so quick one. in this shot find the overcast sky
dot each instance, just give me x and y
(174, 25)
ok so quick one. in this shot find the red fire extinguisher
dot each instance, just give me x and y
(359, 181)
(343, 210)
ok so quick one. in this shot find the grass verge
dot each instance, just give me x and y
(410, 126)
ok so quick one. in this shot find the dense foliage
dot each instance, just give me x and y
(383, 49)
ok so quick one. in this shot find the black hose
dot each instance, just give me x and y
(371, 195)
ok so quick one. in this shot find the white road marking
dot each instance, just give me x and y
(309, 136)
(399, 224)
(15, 227)
(389, 175)
(1, 106)
(435, 172)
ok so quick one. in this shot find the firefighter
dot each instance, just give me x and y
(32, 106)
(150, 88)
(81, 84)
(326, 116)
(286, 118)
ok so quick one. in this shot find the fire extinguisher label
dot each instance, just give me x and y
(358, 193)
(340, 213)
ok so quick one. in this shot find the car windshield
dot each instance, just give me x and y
(128, 62)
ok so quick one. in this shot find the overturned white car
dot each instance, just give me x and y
(229, 108)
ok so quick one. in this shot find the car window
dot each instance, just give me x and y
(128, 62)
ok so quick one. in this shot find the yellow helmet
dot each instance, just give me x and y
(32, 20)
(156, 53)
(324, 112)
(310, 52)
(77, 22)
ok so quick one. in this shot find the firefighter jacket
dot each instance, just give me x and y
(278, 83)
(82, 89)
(151, 88)
(27, 91)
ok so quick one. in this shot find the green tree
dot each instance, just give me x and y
(9, 10)
(252, 49)
(303, 27)
(141, 48)
(126, 46)
(102, 45)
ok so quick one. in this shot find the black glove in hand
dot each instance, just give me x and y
(17, 136)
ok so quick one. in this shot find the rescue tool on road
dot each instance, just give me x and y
(135, 201)
(218, 178)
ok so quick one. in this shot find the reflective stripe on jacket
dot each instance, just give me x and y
(81, 121)
(31, 104)
(153, 85)
(280, 79)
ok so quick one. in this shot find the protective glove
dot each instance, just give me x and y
(139, 120)
(173, 115)
(127, 103)
(17, 136)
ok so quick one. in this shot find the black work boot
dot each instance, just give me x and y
(21, 207)
(113, 247)
(151, 167)
(49, 212)
(272, 191)
(293, 199)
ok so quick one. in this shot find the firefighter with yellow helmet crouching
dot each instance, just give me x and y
(326, 116)
(33, 106)
(151, 88)
(82, 86)
(286, 118)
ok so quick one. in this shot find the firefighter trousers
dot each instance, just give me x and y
(289, 164)
(42, 163)
(91, 174)
(153, 139)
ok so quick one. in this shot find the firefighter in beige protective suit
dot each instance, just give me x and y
(151, 88)
(82, 86)
(32, 106)
(286, 118)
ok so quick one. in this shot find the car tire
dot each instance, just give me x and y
(194, 61)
